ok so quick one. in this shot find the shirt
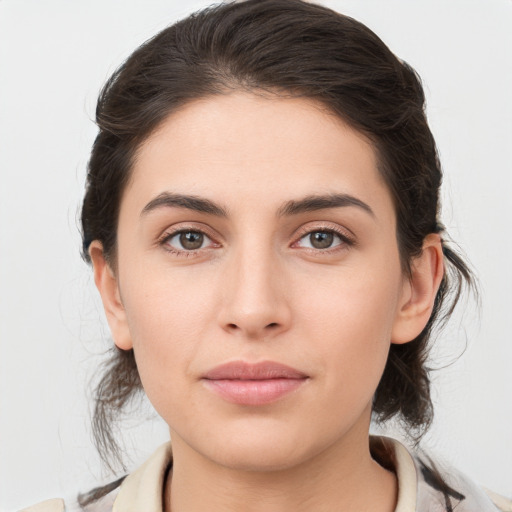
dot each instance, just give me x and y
(419, 487)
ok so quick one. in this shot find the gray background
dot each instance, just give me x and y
(54, 56)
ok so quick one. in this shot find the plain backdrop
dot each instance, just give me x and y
(54, 57)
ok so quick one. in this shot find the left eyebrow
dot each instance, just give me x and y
(323, 202)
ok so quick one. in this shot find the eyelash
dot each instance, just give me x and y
(346, 240)
(169, 235)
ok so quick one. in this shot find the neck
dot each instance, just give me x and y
(343, 477)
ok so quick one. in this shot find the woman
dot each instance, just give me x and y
(262, 219)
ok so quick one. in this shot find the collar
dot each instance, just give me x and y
(143, 489)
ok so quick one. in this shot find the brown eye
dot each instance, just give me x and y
(188, 240)
(191, 240)
(321, 239)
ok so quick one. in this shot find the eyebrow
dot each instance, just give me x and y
(322, 202)
(195, 203)
(293, 207)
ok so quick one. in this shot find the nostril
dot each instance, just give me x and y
(253, 330)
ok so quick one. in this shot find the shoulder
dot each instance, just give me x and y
(140, 490)
(434, 486)
(503, 504)
(103, 504)
(444, 485)
(441, 487)
(56, 505)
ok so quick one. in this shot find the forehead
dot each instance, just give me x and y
(242, 147)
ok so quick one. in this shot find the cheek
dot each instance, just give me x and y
(163, 303)
(351, 318)
(168, 316)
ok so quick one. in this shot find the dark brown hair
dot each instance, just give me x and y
(294, 49)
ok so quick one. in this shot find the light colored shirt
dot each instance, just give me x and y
(418, 487)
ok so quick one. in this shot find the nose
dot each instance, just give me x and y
(255, 304)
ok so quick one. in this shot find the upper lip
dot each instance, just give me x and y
(264, 370)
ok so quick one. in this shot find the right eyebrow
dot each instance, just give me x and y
(188, 202)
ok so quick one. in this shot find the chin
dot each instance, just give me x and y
(263, 448)
(260, 459)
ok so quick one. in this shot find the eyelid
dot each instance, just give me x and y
(347, 237)
(181, 227)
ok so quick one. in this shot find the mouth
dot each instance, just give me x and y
(262, 383)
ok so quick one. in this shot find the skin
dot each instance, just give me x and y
(257, 289)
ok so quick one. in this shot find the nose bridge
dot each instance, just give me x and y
(255, 302)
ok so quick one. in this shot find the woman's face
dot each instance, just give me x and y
(259, 279)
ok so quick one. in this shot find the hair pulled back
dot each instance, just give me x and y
(294, 49)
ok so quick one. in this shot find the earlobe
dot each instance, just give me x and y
(107, 285)
(419, 291)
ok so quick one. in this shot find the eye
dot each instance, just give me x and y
(321, 239)
(188, 240)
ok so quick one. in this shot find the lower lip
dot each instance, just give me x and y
(253, 392)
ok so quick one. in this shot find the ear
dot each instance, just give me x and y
(419, 291)
(107, 285)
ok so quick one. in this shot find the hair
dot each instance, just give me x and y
(288, 48)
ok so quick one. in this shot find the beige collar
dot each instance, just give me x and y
(405, 469)
(143, 489)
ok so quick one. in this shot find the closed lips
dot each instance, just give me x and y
(249, 384)
(265, 370)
